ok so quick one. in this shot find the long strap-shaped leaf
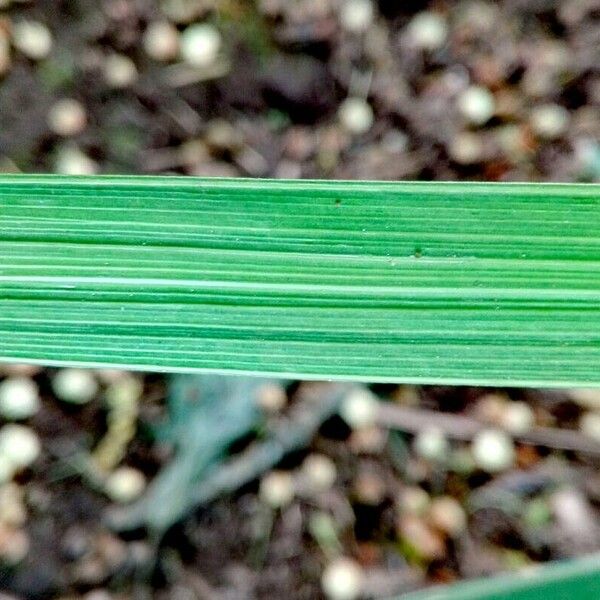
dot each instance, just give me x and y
(578, 578)
(424, 282)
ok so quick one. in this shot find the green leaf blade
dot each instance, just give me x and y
(420, 282)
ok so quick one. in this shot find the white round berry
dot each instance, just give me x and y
(271, 397)
(161, 41)
(518, 417)
(342, 579)
(19, 398)
(359, 408)
(466, 148)
(124, 485)
(119, 71)
(431, 444)
(356, 16)
(67, 117)
(200, 44)
(549, 121)
(20, 445)
(70, 160)
(477, 104)
(493, 450)
(277, 489)
(427, 30)
(32, 38)
(589, 424)
(77, 386)
(356, 115)
(319, 472)
(447, 515)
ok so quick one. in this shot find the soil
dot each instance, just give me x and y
(269, 106)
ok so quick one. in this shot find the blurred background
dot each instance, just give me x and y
(126, 485)
(302, 88)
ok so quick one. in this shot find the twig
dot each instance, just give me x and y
(315, 405)
(292, 435)
(181, 75)
(461, 427)
(383, 583)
